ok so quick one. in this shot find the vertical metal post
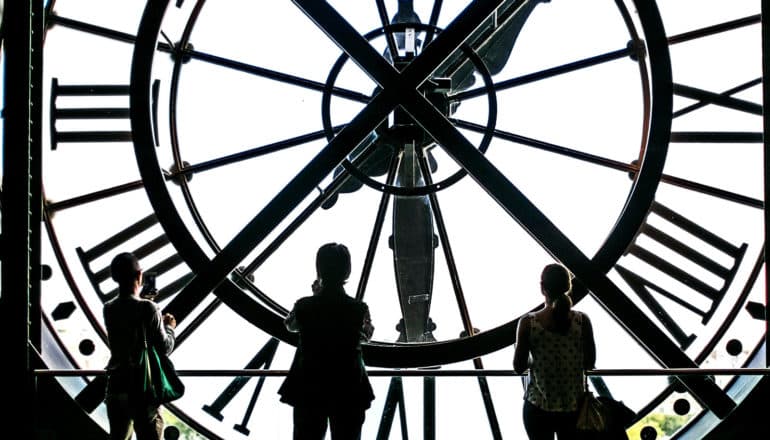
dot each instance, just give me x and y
(16, 204)
(429, 408)
(36, 171)
(766, 141)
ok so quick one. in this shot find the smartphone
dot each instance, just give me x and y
(149, 290)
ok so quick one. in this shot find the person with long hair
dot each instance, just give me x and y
(556, 344)
(327, 383)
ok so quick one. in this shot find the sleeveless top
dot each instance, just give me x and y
(556, 371)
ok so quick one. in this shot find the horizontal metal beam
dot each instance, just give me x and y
(452, 373)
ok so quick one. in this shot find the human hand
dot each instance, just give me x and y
(317, 286)
(169, 320)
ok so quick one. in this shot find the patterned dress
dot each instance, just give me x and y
(556, 372)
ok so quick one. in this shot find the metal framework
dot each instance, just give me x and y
(21, 220)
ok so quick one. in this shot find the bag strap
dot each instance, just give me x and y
(144, 328)
(581, 322)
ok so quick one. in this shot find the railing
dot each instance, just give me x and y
(428, 403)
(438, 373)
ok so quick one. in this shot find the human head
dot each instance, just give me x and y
(555, 281)
(332, 264)
(125, 269)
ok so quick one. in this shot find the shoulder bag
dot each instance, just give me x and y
(602, 414)
(159, 381)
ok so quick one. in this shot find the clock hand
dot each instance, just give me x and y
(211, 273)
(543, 230)
(375, 65)
(493, 43)
(281, 206)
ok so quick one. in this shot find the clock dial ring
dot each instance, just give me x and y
(424, 189)
(230, 293)
(671, 176)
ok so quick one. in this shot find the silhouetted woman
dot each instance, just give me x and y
(327, 384)
(129, 319)
(556, 343)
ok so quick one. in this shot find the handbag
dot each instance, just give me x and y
(592, 415)
(603, 414)
(159, 380)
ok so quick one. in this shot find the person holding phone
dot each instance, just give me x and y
(327, 384)
(128, 318)
(149, 291)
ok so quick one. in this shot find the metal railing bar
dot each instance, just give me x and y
(439, 372)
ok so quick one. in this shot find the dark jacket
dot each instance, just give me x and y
(127, 319)
(328, 369)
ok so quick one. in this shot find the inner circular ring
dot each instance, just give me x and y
(419, 190)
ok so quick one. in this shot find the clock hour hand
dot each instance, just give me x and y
(493, 42)
(306, 181)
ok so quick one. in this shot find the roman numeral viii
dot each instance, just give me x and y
(696, 297)
(146, 247)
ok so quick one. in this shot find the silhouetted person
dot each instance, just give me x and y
(556, 343)
(128, 318)
(327, 384)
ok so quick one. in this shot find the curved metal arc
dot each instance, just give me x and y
(637, 44)
(69, 278)
(542, 229)
(423, 189)
(160, 199)
(172, 117)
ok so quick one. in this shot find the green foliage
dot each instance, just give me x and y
(185, 431)
(665, 425)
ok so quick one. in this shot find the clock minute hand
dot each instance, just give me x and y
(552, 239)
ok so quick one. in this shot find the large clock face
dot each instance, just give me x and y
(455, 148)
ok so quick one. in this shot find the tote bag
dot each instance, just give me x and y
(159, 381)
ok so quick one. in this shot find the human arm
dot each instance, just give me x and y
(291, 321)
(521, 348)
(162, 330)
(367, 329)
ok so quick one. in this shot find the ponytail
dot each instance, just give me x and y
(561, 307)
(556, 283)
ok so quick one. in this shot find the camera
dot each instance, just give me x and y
(149, 291)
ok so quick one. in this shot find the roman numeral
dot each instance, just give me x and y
(102, 92)
(725, 100)
(145, 250)
(262, 359)
(107, 94)
(697, 297)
